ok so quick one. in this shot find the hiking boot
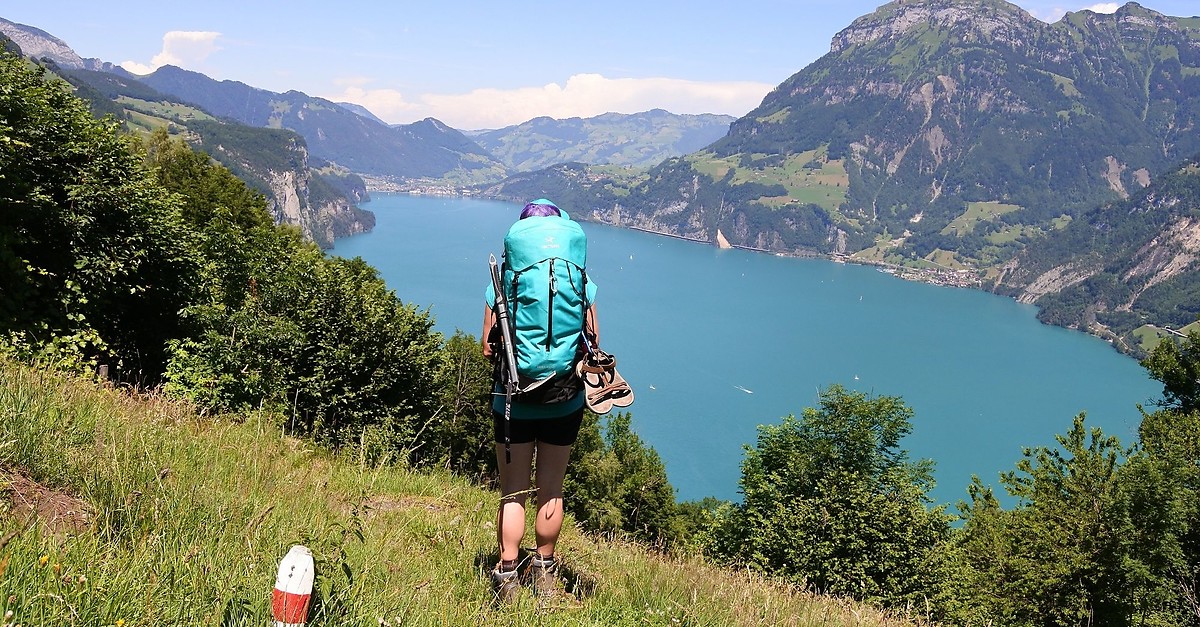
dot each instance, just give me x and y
(544, 574)
(505, 585)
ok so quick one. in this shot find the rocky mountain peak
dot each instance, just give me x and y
(38, 44)
(985, 20)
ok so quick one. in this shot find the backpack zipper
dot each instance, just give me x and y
(550, 314)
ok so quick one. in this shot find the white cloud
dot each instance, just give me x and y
(1054, 14)
(583, 95)
(186, 49)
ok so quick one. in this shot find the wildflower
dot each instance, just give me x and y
(120, 622)
(43, 559)
(82, 580)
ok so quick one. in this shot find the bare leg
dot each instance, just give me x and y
(514, 490)
(551, 469)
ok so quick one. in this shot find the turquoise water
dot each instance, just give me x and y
(716, 342)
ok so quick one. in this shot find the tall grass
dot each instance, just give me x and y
(188, 519)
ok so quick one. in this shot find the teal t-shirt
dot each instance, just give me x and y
(535, 411)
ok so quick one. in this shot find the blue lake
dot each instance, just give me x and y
(716, 342)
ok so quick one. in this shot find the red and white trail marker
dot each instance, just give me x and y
(293, 588)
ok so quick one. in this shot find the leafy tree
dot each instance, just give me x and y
(1162, 491)
(368, 368)
(461, 437)
(1177, 367)
(831, 502)
(206, 187)
(1068, 554)
(94, 263)
(281, 326)
(323, 341)
(616, 483)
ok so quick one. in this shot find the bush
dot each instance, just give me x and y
(831, 503)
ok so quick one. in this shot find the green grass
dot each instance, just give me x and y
(1149, 336)
(188, 519)
(777, 117)
(977, 212)
(881, 251)
(824, 185)
(945, 259)
(1065, 85)
(1013, 233)
(167, 110)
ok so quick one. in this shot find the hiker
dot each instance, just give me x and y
(544, 423)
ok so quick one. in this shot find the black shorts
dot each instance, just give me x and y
(557, 431)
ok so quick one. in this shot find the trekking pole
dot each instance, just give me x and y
(509, 367)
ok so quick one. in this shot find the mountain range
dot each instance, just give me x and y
(961, 137)
(425, 149)
(954, 138)
(640, 140)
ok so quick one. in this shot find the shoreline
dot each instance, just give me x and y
(941, 277)
(945, 277)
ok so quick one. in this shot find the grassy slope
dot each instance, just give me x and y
(187, 519)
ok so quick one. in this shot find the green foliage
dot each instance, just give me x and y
(616, 483)
(461, 439)
(831, 502)
(1163, 486)
(1126, 247)
(1177, 367)
(280, 326)
(1063, 556)
(322, 341)
(91, 251)
(188, 518)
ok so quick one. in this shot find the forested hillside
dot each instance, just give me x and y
(1121, 266)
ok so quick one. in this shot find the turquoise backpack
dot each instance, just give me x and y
(545, 283)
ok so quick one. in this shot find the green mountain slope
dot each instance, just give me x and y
(1120, 266)
(920, 110)
(948, 135)
(322, 204)
(426, 149)
(640, 140)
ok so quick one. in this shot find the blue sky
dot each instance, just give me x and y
(475, 64)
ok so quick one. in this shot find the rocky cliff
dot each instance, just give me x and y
(319, 205)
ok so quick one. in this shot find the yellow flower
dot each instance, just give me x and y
(120, 622)
(44, 559)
